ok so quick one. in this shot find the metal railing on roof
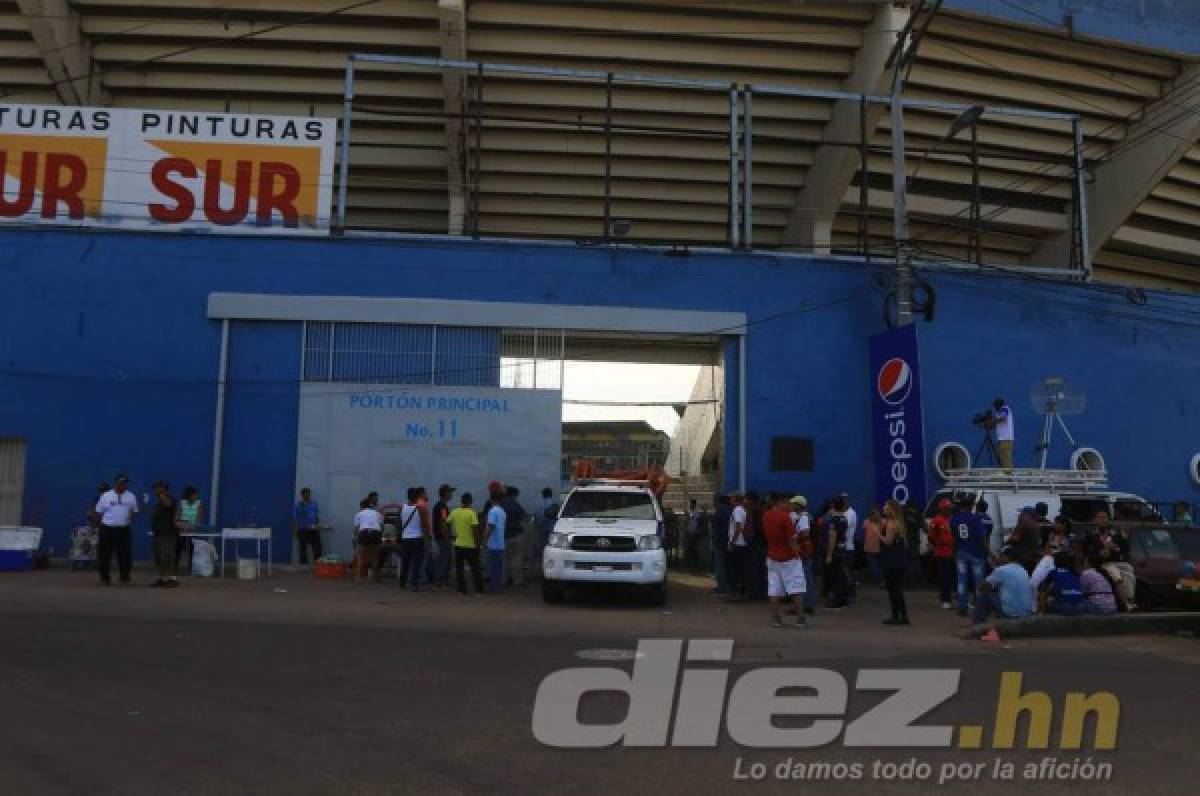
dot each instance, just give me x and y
(1019, 479)
(741, 143)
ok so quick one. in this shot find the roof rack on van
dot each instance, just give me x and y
(1018, 479)
(612, 482)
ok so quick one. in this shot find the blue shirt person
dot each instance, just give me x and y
(970, 550)
(1006, 592)
(1061, 591)
(495, 523)
(305, 518)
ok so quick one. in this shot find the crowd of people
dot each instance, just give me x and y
(768, 548)
(773, 548)
(111, 519)
(425, 540)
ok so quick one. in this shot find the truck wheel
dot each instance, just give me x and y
(656, 594)
(552, 591)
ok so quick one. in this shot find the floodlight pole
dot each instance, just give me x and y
(904, 272)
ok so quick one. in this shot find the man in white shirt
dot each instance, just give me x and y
(851, 531)
(368, 541)
(739, 550)
(116, 508)
(1004, 433)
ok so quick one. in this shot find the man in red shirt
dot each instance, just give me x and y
(941, 539)
(785, 570)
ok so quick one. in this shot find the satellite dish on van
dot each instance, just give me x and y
(1053, 398)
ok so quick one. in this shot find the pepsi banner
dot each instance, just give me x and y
(896, 417)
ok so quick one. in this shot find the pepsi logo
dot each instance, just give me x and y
(895, 381)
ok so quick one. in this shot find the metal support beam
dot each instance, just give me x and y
(452, 16)
(66, 51)
(344, 166)
(214, 492)
(608, 117)
(477, 151)
(810, 223)
(748, 168)
(864, 187)
(734, 188)
(976, 236)
(1152, 147)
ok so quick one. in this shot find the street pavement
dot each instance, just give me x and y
(299, 686)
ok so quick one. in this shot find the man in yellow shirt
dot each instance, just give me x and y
(464, 527)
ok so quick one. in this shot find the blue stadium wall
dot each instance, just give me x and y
(108, 361)
(1159, 24)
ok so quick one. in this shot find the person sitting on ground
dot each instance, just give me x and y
(1061, 592)
(1111, 546)
(785, 570)
(1005, 593)
(1042, 571)
(1098, 587)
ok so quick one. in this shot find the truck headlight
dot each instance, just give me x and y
(558, 540)
(651, 542)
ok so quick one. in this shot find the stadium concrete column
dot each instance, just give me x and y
(452, 15)
(1120, 183)
(810, 221)
(66, 51)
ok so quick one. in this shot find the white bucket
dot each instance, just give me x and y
(247, 569)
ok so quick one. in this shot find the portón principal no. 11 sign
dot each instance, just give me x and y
(168, 170)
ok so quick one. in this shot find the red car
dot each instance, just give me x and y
(1161, 556)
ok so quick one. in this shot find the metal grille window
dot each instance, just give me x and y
(532, 358)
(393, 353)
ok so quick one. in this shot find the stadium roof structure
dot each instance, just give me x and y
(536, 165)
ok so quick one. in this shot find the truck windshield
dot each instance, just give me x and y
(610, 505)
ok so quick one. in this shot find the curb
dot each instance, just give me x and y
(1065, 626)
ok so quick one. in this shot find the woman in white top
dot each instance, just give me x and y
(368, 538)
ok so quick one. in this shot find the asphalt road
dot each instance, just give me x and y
(232, 688)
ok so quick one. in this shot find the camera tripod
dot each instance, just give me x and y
(987, 446)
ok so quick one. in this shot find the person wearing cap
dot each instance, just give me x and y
(166, 536)
(941, 539)
(1005, 433)
(443, 541)
(1006, 593)
(117, 509)
(806, 549)
(464, 529)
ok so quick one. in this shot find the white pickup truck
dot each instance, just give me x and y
(608, 532)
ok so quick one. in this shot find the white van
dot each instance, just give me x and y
(1076, 495)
